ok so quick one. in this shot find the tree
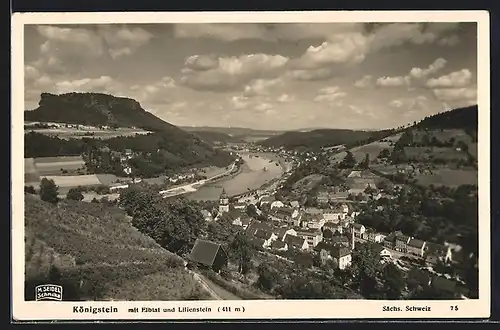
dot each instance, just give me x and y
(365, 164)
(49, 191)
(384, 153)
(393, 281)
(30, 190)
(74, 194)
(366, 263)
(349, 161)
(327, 233)
(242, 250)
(267, 277)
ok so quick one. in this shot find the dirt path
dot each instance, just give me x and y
(215, 290)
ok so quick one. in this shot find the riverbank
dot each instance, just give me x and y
(257, 170)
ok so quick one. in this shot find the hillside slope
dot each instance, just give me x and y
(461, 118)
(95, 109)
(216, 137)
(96, 254)
(181, 147)
(321, 138)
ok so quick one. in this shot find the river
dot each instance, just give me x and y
(251, 176)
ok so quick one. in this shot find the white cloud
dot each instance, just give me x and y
(330, 95)
(339, 49)
(262, 86)
(363, 82)
(396, 103)
(232, 72)
(201, 62)
(239, 102)
(393, 81)
(455, 79)
(346, 48)
(410, 104)
(437, 65)
(155, 93)
(316, 74)
(263, 107)
(449, 41)
(67, 48)
(31, 73)
(123, 40)
(284, 98)
(467, 95)
(269, 32)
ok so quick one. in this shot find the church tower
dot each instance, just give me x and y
(223, 202)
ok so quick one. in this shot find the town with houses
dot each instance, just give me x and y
(331, 230)
(247, 176)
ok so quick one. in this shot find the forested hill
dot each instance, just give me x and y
(323, 138)
(461, 118)
(171, 146)
(95, 109)
(216, 137)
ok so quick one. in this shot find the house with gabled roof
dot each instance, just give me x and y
(257, 242)
(401, 242)
(279, 245)
(339, 241)
(312, 236)
(381, 250)
(281, 232)
(255, 225)
(231, 215)
(267, 236)
(243, 221)
(277, 204)
(358, 229)
(239, 206)
(334, 215)
(342, 255)
(389, 241)
(208, 254)
(296, 242)
(284, 214)
(435, 252)
(373, 236)
(416, 247)
(207, 215)
(266, 200)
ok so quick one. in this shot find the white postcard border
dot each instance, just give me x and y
(275, 309)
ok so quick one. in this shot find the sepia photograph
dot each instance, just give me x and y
(171, 164)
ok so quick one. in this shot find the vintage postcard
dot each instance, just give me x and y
(238, 165)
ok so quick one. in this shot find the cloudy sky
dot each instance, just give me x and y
(263, 76)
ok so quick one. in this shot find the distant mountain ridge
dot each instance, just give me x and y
(461, 118)
(181, 148)
(95, 109)
(322, 138)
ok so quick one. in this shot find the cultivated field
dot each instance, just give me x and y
(473, 149)
(56, 165)
(449, 177)
(30, 172)
(428, 153)
(65, 181)
(69, 133)
(443, 135)
(373, 149)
